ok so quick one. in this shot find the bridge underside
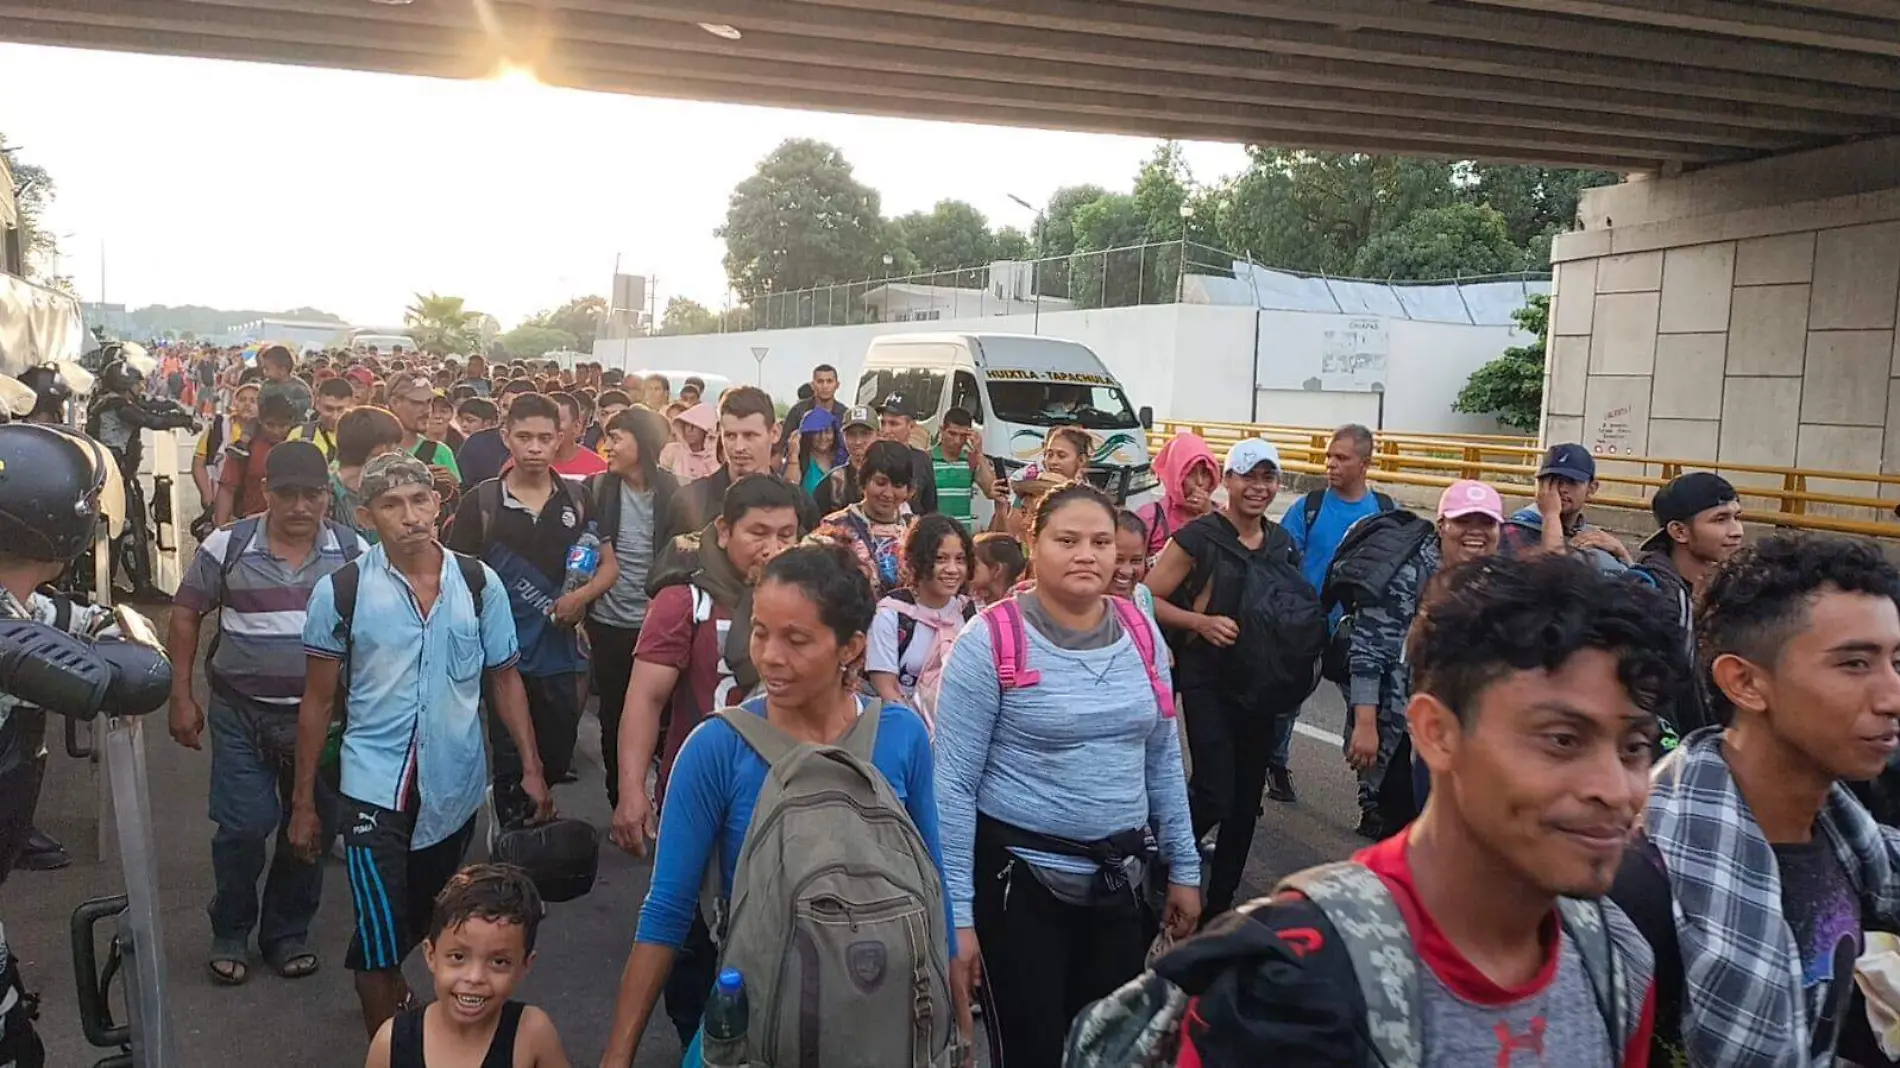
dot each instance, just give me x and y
(1627, 85)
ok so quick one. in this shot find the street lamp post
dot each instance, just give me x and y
(1180, 272)
(1035, 271)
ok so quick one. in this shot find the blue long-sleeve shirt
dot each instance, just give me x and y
(1082, 755)
(713, 789)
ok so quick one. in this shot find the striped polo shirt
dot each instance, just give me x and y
(259, 654)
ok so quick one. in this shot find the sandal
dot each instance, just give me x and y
(292, 960)
(229, 964)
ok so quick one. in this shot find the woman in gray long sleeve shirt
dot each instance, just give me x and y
(1084, 754)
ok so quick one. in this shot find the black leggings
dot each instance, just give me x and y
(613, 670)
(1230, 747)
(1045, 961)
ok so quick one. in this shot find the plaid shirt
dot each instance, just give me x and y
(1743, 1004)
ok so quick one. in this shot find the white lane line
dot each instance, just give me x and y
(1319, 734)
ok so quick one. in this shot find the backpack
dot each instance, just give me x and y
(904, 603)
(344, 582)
(1140, 1024)
(1367, 560)
(1009, 647)
(488, 504)
(1314, 501)
(242, 532)
(1275, 660)
(562, 856)
(836, 917)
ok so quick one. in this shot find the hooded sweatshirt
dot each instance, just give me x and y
(1181, 455)
(690, 464)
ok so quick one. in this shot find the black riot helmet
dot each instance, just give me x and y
(120, 377)
(51, 483)
(49, 385)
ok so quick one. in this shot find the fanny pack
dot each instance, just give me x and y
(1123, 862)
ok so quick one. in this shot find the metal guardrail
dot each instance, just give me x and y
(1780, 496)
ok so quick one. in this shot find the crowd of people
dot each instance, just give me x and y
(907, 778)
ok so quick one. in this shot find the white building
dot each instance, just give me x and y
(911, 302)
(301, 333)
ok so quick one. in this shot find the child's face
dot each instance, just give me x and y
(477, 966)
(1131, 563)
(983, 582)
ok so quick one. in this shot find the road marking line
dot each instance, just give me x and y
(1319, 734)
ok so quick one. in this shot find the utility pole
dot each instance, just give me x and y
(1035, 269)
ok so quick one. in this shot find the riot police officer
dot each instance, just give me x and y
(114, 418)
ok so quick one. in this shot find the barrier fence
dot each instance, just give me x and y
(1845, 502)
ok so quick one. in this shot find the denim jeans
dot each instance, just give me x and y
(253, 767)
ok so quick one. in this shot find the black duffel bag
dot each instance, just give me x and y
(561, 856)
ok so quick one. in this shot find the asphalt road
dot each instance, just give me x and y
(314, 1022)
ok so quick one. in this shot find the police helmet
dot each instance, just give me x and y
(120, 376)
(52, 482)
(52, 390)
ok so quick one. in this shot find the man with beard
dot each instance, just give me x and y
(747, 425)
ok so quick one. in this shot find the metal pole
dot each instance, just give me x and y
(1035, 276)
(1141, 275)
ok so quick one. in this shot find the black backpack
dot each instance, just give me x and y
(1368, 558)
(1314, 501)
(1275, 661)
(562, 856)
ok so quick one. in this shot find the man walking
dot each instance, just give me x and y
(962, 471)
(411, 399)
(280, 380)
(257, 574)
(421, 629)
(746, 432)
(824, 397)
(334, 397)
(843, 487)
(1317, 524)
(1566, 481)
(1699, 525)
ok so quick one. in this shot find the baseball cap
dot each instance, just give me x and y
(897, 404)
(391, 470)
(1689, 496)
(1470, 497)
(1250, 453)
(1569, 460)
(295, 465)
(860, 416)
(362, 376)
(410, 383)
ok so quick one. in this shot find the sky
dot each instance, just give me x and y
(241, 185)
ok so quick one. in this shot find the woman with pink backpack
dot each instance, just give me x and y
(1060, 786)
(917, 623)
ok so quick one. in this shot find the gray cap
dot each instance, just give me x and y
(392, 470)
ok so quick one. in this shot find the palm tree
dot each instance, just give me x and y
(442, 324)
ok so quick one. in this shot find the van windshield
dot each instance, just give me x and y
(1036, 402)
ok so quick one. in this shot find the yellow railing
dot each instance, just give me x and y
(1848, 502)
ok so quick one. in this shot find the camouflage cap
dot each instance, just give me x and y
(392, 470)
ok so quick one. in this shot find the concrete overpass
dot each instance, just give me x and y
(1627, 85)
(1735, 300)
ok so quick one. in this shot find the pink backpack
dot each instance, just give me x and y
(1009, 644)
(909, 619)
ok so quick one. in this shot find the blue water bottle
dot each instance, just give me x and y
(723, 1040)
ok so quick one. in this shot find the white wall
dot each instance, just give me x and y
(1188, 361)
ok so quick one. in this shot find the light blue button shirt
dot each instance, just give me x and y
(415, 689)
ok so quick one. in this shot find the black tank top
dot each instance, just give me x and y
(405, 1039)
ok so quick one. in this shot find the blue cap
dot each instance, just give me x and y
(731, 981)
(1569, 460)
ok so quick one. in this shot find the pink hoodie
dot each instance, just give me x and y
(1182, 454)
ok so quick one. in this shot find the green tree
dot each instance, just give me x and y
(1457, 239)
(33, 189)
(1313, 211)
(443, 324)
(532, 339)
(1511, 387)
(1536, 202)
(801, 220)
(580, 318)
(1056, 239)
(686, 316)
(1013, 244)
(1099, 277)
(949, 236)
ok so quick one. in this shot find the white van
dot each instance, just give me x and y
(1017, 387)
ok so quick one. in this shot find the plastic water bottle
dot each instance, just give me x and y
(723, 1032)
(582, 561)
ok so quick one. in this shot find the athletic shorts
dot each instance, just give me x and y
(392, 887)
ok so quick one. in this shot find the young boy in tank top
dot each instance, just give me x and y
(480, 947)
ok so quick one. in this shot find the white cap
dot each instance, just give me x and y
(1249, 453)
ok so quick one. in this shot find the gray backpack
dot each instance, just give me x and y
(836, 918)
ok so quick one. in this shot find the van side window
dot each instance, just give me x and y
(921, 386)
(964, 394)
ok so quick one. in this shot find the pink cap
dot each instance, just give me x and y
(701, 415)
(1470, 497)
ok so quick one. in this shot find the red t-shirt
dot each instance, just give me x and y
(247, 478)
(585, 463)
(671, 638)
(1391, 861)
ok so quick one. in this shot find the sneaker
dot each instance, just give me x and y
(1370, 826)
(1280, 786)
(42, 853)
